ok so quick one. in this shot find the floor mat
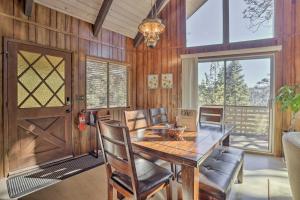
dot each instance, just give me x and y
(26, 183)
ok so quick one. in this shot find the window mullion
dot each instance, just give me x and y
(108, 83)
(226, 22)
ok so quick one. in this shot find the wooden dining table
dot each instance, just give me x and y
(189, 152)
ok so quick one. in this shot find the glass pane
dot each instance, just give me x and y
(30, 80)
(117, 85)
(244, 85)
(61, 69)
(205, 26)
(43, 94)
(96, 84)
(43, 67)
(61, 94)
(22, 65)
(40, 66)
(251, 19)
(54, 60)
(54, 81)
(30, 103)
(248, 91)
(30, 56)
(22, 94)
(54, 103)
(211, 83)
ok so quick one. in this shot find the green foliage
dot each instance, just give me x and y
(211, 90)
(289, 98)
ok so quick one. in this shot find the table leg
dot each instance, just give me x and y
(190, 182)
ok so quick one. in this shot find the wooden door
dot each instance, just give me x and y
(38, 105)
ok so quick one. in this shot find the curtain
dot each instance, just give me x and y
(190, 83)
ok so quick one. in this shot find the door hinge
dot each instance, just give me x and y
(6, 53)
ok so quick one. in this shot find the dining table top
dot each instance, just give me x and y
(195, 146)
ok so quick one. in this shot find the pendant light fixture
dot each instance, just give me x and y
(151, 28)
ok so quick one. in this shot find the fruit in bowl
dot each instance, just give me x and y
(176, 132)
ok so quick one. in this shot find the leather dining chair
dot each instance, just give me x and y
(210, 115)
(158, 116)
(136, 119)
(132, 176)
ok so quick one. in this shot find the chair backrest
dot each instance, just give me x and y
(136, 119)
(117, 151)
(211, 115)
(158, 116)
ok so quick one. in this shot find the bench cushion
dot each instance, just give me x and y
(217, 174)
(228, 154)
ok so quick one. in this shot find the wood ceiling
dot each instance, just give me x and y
(124, 16)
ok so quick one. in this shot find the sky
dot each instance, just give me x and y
(206, 25)
(253, 70)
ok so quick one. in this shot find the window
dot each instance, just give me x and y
(106, 84)
(251, 21)
(243, 88)
(227, 21)
(205, 26)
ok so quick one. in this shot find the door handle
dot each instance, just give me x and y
(68, 101)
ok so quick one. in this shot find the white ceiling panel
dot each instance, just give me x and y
(123, 17)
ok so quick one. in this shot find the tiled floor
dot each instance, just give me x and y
(265, 178)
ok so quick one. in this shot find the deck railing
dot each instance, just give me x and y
(248, 119)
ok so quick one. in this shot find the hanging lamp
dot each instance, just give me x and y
(151, 28)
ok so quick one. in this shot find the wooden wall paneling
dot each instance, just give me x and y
(53, 24)
(139, 78)
(75, 86)
(31, 27)
(99, 51)
(68, 27)
(145, 74)
(7, 25)
(278, 118)
(83, 51)
(60, 18)
(20, 28)
(42, 17)
(105, 40)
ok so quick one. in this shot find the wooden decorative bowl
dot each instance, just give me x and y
(176, 133)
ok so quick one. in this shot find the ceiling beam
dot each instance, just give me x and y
(101, 16)
(28, 7)
(160, 4)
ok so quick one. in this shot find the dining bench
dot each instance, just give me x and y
(219, 172)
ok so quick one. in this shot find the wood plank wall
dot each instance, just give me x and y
(166, 58)
(54, 29)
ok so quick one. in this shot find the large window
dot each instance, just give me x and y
(243, 87)
(106, 84)
(226, 21)
(205, 26)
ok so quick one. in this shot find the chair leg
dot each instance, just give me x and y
(240, 175)
(110, 192)
(169, 190)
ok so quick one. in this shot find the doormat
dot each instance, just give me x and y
(29, 182)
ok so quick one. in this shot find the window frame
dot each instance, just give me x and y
(108, 62)
(226, 33)
(272, 57)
